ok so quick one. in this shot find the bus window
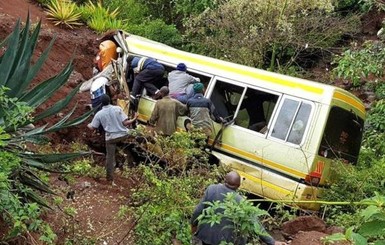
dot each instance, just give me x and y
(225, 97)
(342, 136)
(256, 109)
(292, 121)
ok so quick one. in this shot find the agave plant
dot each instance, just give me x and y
(63, 12)
(17, 102)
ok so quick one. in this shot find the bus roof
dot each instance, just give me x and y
(311, 90)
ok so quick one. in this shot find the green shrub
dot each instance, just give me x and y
(131, 11)
(163, 204)
(380, 91)
(361, 65)
(100, 18)
(367, 5)
(63, 12)
(373, 143)
(157, 30)
(244, 216)
(369, 227)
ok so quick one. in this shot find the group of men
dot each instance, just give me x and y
(182, 96)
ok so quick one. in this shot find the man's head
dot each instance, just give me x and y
(164, 91)
(181, 67)
(198, 87)
(233, 180)
(105, 99)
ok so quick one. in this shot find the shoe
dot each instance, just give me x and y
(113, 184)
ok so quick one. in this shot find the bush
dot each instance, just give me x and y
(163, 204)
(100, 18)
(361, 65)
(157, 30)
(131, 11)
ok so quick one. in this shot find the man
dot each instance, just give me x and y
(114, 122)
(166, 112)
(202, 111)
(179, 83)
(148, 72)
(215, 234)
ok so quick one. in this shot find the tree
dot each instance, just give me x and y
(267, 34)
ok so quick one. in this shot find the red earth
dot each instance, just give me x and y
(97, 203)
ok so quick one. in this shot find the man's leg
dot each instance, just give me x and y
(137, 86)
(150, 78)
(110, 159)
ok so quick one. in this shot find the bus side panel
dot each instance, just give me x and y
(145, 107)
(272, 185)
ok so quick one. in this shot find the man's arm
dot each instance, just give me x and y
(154, 115)
(95, 123)
(198, 210)
(182, 109)
(90, 126)
(128, 122)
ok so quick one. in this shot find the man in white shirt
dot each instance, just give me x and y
(114, 122)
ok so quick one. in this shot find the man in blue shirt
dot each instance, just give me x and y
(215, 234)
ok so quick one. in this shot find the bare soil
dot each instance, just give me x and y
(96, 202)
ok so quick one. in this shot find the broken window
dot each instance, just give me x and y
(256, 109)
(342, 136)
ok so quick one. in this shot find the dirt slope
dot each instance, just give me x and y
(79, 44)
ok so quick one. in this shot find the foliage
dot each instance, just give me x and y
(353, 184)
(286, 31)
(175, 12)
(162, 204)
(361, 65)
(367, 5)
(373, 142)
(100, 18)
(157, 30)
(242, 214)
(131, 11)
(370, 226)
(346, 4)
(84, 167)
(178, 153)
(63, 12)
(20, 204)
(182, 150)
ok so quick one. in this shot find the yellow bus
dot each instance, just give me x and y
(305, 125)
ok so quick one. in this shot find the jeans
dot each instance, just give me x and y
(110, 157)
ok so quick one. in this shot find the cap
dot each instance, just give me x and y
(181, 67)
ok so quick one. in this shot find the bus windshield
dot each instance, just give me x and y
(342, 135)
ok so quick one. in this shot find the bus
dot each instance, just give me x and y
(284, 132)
